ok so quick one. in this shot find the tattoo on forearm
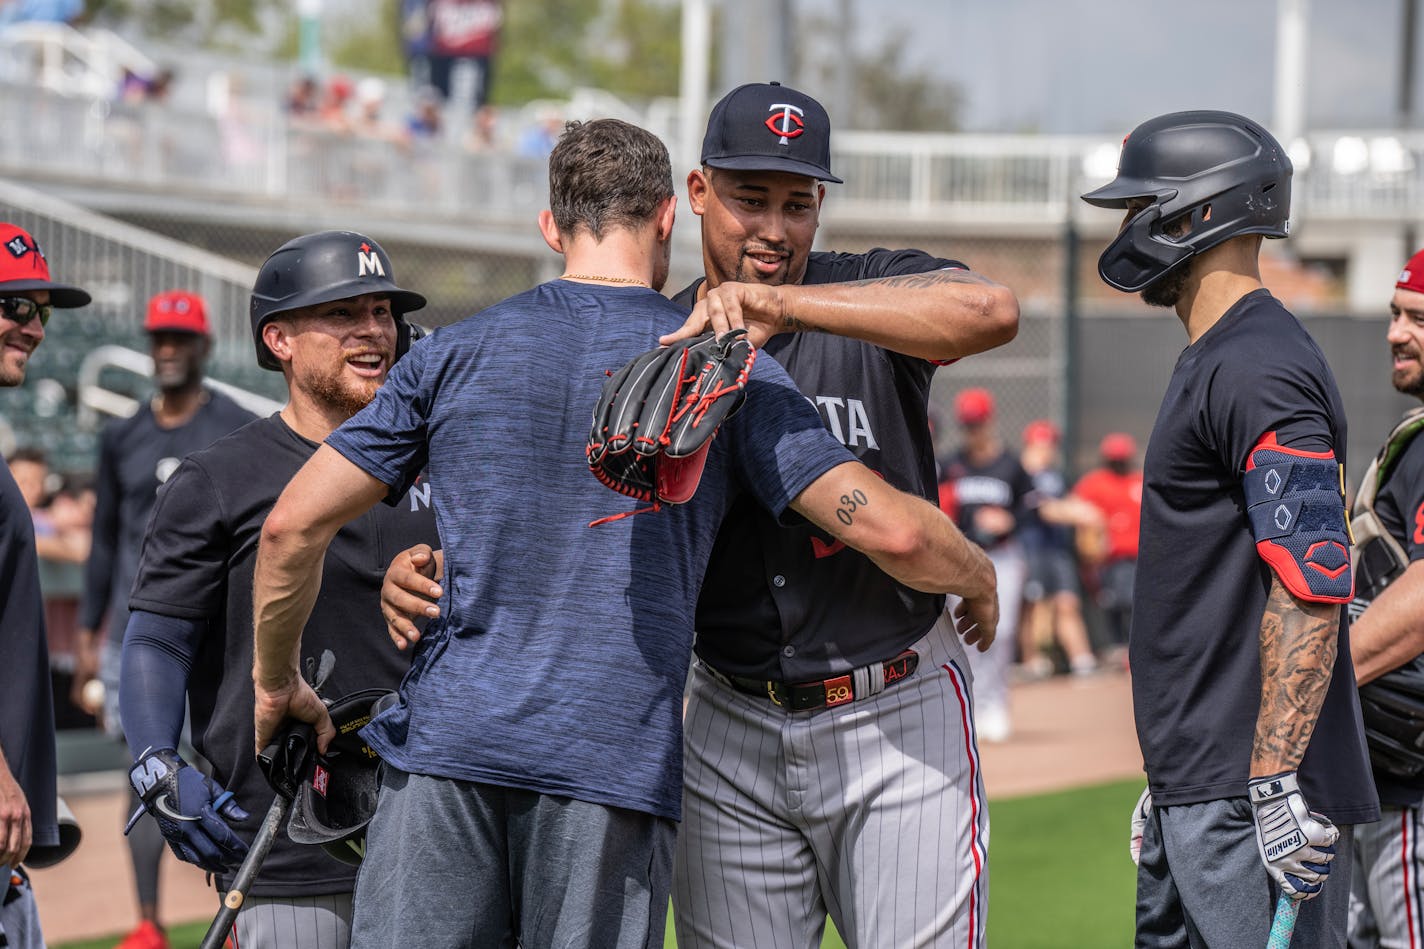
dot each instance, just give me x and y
(1298, 647)
(850, 503)
(794, 324)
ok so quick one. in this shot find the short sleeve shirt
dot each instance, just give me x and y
(196, 564)
(558, 662)
(1201, 586)
(999, 482)
(790, 603)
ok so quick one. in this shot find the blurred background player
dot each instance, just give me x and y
(28, 798)
(136, 456)
(327, 313)
(1108, 547)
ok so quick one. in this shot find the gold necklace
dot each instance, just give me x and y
(598, 279)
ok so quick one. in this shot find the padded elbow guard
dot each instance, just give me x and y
(1297, 512)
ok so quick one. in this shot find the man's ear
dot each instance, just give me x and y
(698, 189)
(275, 334)
(552, 237)
(667, 214)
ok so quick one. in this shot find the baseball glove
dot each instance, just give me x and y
(656, 416)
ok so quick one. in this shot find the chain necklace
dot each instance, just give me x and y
(598, 279)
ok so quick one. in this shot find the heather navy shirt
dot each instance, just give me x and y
(788, 602)
(1201, 586)
(558, 662)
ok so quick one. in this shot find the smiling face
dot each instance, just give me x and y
(1406, 342)
(757, 226)
(18, 342)
(339, 352)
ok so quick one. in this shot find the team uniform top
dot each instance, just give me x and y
(136, 455)
(558, 661)
(1201, 585)
(999, 482)
(26, 707)
(197, 564)
(1400, 508)
(788, 603)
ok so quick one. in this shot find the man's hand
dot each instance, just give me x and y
(1295, 844)
(1138, 826)
(290, 699)
(755, 307)
(16, 829)
(86, 670)
(409, 592)
(977, 620)
(191, 809)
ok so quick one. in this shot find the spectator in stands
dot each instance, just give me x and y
(537, 140)
(986, 490)
(426, 121)
(464, 31)
(136, 455)
(1053, 610)
(303, 99)
(335, 98)
(1110, 551)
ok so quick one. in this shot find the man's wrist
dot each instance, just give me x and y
(1272, 786)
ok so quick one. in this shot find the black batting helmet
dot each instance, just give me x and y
(1222, 170)
(319, 268)
(1393, 710)
(333, 808)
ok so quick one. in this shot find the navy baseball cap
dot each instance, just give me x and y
(765, 126)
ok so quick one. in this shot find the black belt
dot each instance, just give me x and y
(805, 696)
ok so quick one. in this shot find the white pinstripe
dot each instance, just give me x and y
(871, 812)
(288, 922)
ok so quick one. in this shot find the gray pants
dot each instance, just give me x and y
(453, 864)
(19, 917)
(277, 922)
(1385, 895)
(1201, 883)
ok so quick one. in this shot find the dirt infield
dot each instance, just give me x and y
(1068, 732)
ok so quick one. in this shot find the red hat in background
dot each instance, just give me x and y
(177, 311)
(974, 406)
(1412, 276)
(1041, 430)
(23, 267)
(1117, 446)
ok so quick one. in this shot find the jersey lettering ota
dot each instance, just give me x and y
(136, 456)
(1400, 508)
(999, 482)
(197, 564)
(788, 602)
(558, 662)
(1201, 585)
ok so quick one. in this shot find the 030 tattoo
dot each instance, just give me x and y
(850, 503)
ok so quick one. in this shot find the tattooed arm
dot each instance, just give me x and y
(1298, 646)
(939, 315)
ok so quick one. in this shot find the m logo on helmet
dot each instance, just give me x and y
(786, 123)
(370, 262)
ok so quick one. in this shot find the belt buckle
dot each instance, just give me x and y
(838, 691)
(771, 693)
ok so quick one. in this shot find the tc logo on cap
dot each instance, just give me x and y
(787, 123)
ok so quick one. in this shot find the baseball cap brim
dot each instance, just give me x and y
(61, 295)
(771, 163)
(1115, 193)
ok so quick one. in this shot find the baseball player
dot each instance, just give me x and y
(327, 314)
(28, 807)
(136, 455)
(575, 640)
(1243, 689)
(1387, 635)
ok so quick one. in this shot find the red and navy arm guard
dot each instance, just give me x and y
(1297, 511)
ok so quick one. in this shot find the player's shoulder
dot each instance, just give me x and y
(225, 407)
(255, 436)
(838, 267)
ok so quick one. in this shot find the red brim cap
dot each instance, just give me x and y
(1412, 276)
(177, 311)
(974, 406)
(1118, 446)
(23, 267)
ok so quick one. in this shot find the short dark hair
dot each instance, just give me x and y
(607, 174)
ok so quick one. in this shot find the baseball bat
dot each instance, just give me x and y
(247, 873)
(1283, 923)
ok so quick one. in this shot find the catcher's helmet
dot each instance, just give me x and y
(333, 808)
(1222, 170)
(319, 268)
(1393, 711)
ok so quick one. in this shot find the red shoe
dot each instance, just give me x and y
(144, 936)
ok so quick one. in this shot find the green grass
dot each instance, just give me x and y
(1059, 874)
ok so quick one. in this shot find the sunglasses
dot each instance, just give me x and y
(20, 310)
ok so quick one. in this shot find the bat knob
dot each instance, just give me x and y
(233, 900)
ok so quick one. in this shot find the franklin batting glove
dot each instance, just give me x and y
(1295, 844)
(1140, 810)
(192, 810)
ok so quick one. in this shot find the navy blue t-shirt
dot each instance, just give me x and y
(999, 482)
(790, 603)
(1201, 586)
(558, 662)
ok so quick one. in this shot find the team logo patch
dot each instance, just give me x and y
(1282, 517)
(369, 262)
(785, 122)
(1274, 481)
(17, 246)
(321, 779)
(1328, 557)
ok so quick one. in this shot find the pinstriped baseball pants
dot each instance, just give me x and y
(311, 922)
(1385, 889)
(872, 812)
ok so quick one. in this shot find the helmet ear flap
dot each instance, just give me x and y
(1140, 256)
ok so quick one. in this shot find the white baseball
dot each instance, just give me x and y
(92, 696)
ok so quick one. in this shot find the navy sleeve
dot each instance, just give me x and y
(99, 568)
(153, 691)
(1254, 394)
(388, 438)
(182, 569)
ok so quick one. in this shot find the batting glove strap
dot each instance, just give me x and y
(1296, 844)
(192, 810)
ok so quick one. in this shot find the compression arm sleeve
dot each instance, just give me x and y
(158, 655)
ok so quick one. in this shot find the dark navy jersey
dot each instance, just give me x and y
(136, 455)
(1033, 531)
(998, 482)
(197, 563)
(1399, 504)
(26, 706)
(791, 603)
(1201, 586)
